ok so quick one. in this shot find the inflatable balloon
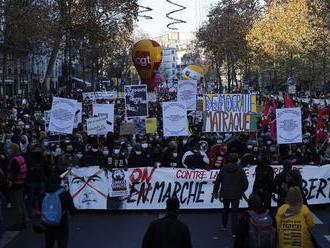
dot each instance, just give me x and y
(147, 57)
(192, 72)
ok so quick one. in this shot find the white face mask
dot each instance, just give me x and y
(175, 154)
(184, 141)
(138, 152)
(94, 149)
(105, 152)
(144, 145)
(116, 151)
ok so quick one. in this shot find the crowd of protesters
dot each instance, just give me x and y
(30, 156)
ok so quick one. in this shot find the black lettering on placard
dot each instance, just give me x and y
(177, 189)
(143, 194)
(158, 186)
(322, 185)
(311, 188)
(185, 185)
(304, 184)
(133, 189)
(167, 192)
(200, 191)
(192, 194)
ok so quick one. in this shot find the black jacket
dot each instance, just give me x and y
(233, 181)
(38, 169)
(167, 232)
(289, 178)
(264, 179)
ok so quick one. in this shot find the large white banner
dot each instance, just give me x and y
(107, 110)
(175, 122)
(96, 125)
(187, 91)
(62, 115)
(149, 187)
(288, 124)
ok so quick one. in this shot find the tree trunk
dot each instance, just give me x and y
(228, 73)
(51, 63)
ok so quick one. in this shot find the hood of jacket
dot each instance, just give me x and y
(231, 168)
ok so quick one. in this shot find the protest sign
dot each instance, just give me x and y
(127, 129)
(151, 125)
(99, 95)
(107, 110)
(149, 188)
(175, 122)
(288, 124)
(47, 118)
(136, 104)
(230, 113)
(78, 114)
(139, 126)
(244, 103)
(187, 90)
(118, 183)
(62, 115)
(97, 125)
(89, 187)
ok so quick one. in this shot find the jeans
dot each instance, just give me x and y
(35, 191)
(234, 214)
(17, 199)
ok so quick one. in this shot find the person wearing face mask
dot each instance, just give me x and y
(195, 158)
(137, 157)
(171, 157)
(93, 157)
(118, 158)
(157, 155)
(67, 160)
(146, 146)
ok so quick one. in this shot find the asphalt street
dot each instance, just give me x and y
(126, 230)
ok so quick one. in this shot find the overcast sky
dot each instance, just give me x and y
(194, 14)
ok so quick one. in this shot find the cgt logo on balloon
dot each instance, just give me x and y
(142, 60)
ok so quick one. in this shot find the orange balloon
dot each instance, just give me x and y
(147, 57)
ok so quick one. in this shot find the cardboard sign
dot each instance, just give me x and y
(151, 125)
(97, 125)
(136, 102)
(62, 115)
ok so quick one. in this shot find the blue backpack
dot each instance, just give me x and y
(51, 209)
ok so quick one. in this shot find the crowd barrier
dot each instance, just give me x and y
(148, 188)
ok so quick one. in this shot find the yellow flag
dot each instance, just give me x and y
(151, 125)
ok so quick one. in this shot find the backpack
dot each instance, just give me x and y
(51, 208)
(261, 230)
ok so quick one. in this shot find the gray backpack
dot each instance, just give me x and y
(261, 230)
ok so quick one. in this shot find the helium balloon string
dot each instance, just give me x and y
(175, 20)
(144, 10)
